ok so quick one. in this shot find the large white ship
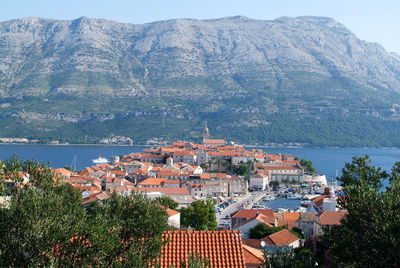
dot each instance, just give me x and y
(100, 160)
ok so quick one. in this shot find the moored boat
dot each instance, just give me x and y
(100, 160)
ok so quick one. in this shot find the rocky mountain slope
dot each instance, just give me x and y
(241, 75)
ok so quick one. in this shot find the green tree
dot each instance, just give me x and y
(274, 184)
(307, 165)
(46, 224)
(167, 201)
(261, 230)
(242, 169)
(200, 215)
(288, 257)
(204, 166)
(369, 234)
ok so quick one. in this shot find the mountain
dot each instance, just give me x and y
(304, 79)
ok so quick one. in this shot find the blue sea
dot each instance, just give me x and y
(328, 161)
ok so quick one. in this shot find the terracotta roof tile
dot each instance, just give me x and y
(251, 213)
(331, 217)
(165, 190)
(260, 218)
(254, 243)
(153, 181)
(319, 200)
(282, 238)
(287, 219)
(222, 248)
(171, 212)
(205, 176)
(171, 181)
(253, 256)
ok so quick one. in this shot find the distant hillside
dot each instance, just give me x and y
(304, 79)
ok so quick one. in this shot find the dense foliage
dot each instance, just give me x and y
(45, 224)
(262, 230)
(307, 165)
(243, 169)
(319, 129)
(200, 215)
(288, 258)
(369, 235)
(167, 201)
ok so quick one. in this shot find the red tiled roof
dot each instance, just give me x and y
(331, 217)
(282, 238)
(104, 166)
(171, 212)
(165, 190)
(253, 256)
(171, 182)
(280, 167)
(97, 196)
(287, 219)
(95, 168)
(169, 173)
(222, 248)
(251, 213)
(183, 153)
(260, 218)
(153, 181)
(251, 242)
(205, 176)
(86, 171)
(178, 144)
(259, 175)
(221, 175)
(319, 200)
(63, 171)
(118, 172)
(214, 141)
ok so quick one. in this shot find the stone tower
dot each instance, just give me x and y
(206, 133)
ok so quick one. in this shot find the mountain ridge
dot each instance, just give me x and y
(244, 70)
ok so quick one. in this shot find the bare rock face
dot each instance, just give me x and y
(90, 56)
(236, 68)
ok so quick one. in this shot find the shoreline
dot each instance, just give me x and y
(73, 144)
(245, 145)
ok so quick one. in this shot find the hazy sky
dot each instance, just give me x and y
(371, 20)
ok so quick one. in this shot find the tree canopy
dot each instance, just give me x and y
(369, 235)
(46, 224)
(167, 201)
(261, 230)
(200, 215)
(307, 165)
(243, 169)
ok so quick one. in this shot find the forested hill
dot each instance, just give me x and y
(304, 79)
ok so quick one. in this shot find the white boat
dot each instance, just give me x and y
(269, 198)
(294, 197)
(100, 160)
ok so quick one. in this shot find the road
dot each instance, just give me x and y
(251, 198)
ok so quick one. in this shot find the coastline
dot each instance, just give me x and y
(76, 144)
(245, 145)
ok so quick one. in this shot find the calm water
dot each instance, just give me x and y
(325, 160)
(63, 155)
(281, 202)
